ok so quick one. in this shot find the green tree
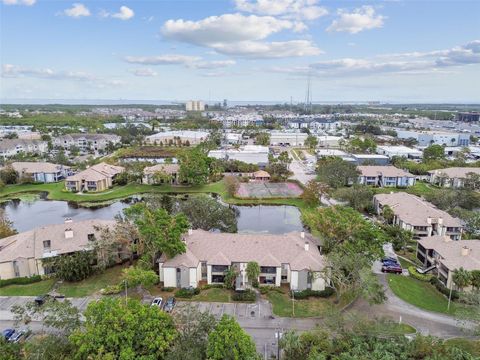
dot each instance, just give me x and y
(136, 276)
(159, 232)
(230, 277)
(399, 237)
(194, 166)
(313, 192)
(228, 341)
(359, 197)
(461, 278)
(6, 226)
(49, 347)
(72, 267)
(475, 279)
(193, 327)
(434, 152)
(336, 172)
(388, 214)
(472, 181)
(9, 351)
(231, 184)
(114, 329)
(262, 138)
(311, 141)
(206, 213)
(253, 271)
(8, 175)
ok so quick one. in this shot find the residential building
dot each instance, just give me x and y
(287, 138)
(451, 177)
(261, 175)
(467, 116)
(185, 137)
(96, 142)
(43, 172)
(170, 170)
(250, 154)
(427, 138)
(419, 216)
(292, 259)
(400, 151)
(230, 120)
(195, 105)
(21, 255)
(446, 256)
(13, 147)
(383, 176)
(96, 178)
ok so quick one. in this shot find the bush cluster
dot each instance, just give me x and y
(21, 280)
(443, 289)
(168, 289)
(305, 294)
(112, 289)
(416, 275)
(267, 289)
(212, 286)
(247, 295)
(187, 293)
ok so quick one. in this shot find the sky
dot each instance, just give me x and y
(241, 50)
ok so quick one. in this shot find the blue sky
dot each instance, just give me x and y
(259, 50)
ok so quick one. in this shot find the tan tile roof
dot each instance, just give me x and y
(265, 249)
(37, 167)
(385, 171)
(261, 174)
(97, 172)
(415, 211)
(166, 168)
(455, 172)
(451, 251)
(29, 244)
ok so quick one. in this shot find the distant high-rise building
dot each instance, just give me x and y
(225, 103)
(195, 105)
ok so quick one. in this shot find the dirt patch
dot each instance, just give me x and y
(266, 190)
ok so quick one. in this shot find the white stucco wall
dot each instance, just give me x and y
(294, 280)
(160, 271)
(278, 276)
(169, 277)
(318, 282)
(209, 274)
(199, 272)
(193, 282)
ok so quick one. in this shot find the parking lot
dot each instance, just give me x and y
(260, 310)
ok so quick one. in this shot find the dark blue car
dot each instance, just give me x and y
(7, 333)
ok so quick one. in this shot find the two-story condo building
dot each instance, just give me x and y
(451, 177)
(385, 176)
(291, 258)
(419, 216)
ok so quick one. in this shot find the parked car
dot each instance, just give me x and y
(41, 299)
(394, 269)
(19, 336)
(169, 304)
(8, 333)
(390, 263)
(158, 301)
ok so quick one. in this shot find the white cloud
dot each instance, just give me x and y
(278, 49)
(296, 9)
(77, 10)
(216, 64)
(125, 13)
(225, 28)
(19, 2)
(167, 59)
(240, 35)
(145, 72)
(360, 19)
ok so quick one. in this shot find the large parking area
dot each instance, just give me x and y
(260, 310)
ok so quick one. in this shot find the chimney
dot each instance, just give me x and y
(465, 251)
(302, 234)
(440, 221)
(190, 231)
(68, 233)
(429, 220)
(68, 220)
(306, 246)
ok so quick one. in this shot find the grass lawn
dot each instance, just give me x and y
(213, 295)
(471, 346)
(421, 294)
(35, 289)
(93, 284)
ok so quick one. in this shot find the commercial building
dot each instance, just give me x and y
(400, 151)
(288, 138)
(292, 259)
(250, 154)
(427, 138)
(370, 159)
(21, 255)
(169, 174)
(194, 105)
(43, 172)
(467, 116)
(451, 177)
(383, 176)
(185, 137)
(96, 178)
(419, 216)
(446, 256)
(328, 141)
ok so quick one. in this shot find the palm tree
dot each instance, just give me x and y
(388, 213)
(461, 278)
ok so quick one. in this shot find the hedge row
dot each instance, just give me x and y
(443, 289)
(416, 275)
(187, 293)
(247, 295)
(212, 286)
(21, 280)
(305, 294)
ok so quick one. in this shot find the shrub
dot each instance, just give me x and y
(305, 294)
(416, 275)
(112, 289)
(247, 295)
(212, 286)
(168, 289)
(267, 289)
(136, 276)
(21, 280)
(443, 289)
(187, 293)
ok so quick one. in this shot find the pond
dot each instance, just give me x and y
(29, 213)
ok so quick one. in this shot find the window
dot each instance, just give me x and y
(219, 268)
(91, 237)
(268, 269)
(47, 244)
